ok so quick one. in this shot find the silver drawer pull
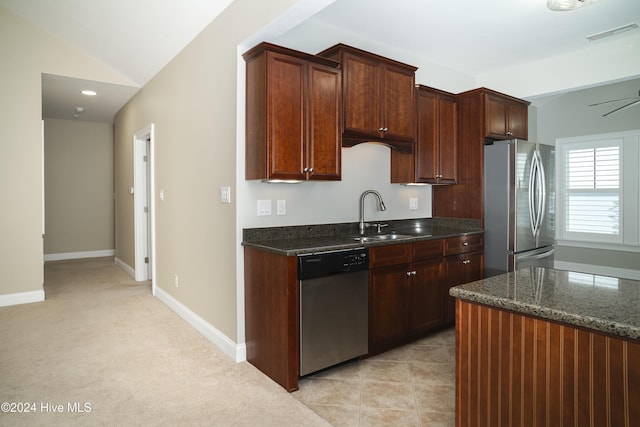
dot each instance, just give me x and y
(465, 244)
(466, 261)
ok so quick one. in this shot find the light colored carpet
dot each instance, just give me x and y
(101, 343)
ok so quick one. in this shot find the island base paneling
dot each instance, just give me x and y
(516, 370)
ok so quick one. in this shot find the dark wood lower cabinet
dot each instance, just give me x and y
(388, 314)
(408, 299)
(271, 301)
(426, 311)
(516, 370)
(460, 269)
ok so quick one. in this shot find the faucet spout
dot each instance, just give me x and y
(379, 203)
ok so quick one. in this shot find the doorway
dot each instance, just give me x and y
(143, 205)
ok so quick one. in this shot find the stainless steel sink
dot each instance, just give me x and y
(379, 237)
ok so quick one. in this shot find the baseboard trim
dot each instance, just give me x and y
(126, 267)
(237, 352)
(601, 270)
(77, 255)
(21, 298)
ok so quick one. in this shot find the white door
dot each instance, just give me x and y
(143, 204)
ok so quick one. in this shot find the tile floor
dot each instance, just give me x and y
(412, 385)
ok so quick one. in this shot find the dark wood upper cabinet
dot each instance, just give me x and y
(378, 98)
(483, 114)
(434, 159)
(505, 117)
(293, 115)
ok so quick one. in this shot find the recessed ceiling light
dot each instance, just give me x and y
(89, 92)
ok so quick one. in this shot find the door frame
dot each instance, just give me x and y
(143, 194)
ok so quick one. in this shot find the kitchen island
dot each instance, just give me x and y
(548, 347)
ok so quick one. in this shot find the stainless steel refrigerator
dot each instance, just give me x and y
(519, 205)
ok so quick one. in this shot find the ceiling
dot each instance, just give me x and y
(470, 36)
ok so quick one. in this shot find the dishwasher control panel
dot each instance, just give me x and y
(334, 262)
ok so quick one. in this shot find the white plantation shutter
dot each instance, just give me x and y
(592, 188)
(598, 191)
(592, 191)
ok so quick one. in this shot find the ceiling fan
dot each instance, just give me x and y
(636, 101)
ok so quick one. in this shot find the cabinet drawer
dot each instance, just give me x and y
(463, 244)
(427, 249)
(389, 255)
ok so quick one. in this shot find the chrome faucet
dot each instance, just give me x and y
(380, 204)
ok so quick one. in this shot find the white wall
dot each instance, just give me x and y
(364, 166)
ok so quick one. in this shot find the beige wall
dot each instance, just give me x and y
(78, 176)
(192, 103)
(27, 52)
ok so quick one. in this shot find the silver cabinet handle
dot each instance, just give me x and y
(383, 129)
(465, 244)
(411, 273)
(466, 261)
(509, 133)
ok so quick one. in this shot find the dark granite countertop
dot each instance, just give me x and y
(600, 303)
(304, 239)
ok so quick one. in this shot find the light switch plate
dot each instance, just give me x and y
(225, 195)
(264, 207)
(281, 207)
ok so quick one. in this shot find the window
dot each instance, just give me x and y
(598, 188)
(592, 189)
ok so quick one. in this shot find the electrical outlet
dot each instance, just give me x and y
(176, 282)
(281, 207)
(264, 207)
(413, 203)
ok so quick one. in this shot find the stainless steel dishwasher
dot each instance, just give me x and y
(334, 308)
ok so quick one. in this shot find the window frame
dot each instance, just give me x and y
(629, 192)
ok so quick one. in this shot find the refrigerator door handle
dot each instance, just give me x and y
(537, 193)
(540, 255)
(532, 211)
(542, 183)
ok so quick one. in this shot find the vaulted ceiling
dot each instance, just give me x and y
(470, 36)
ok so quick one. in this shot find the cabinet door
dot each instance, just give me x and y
(506, 118)
(460, 269)
(448, 140)
(496, 117)
(285, 117)
(425, 296)
(398, 99)
(361, 96)
(427, 137)
(518, 120)
(388, 316)
(323, 136)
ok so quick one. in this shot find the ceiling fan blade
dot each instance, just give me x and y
(629, 105)
(613, 100)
